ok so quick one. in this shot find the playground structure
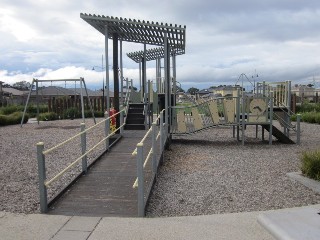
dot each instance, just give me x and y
(134, 112)
(271, 102)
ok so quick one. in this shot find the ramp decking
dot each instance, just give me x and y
(106, 190)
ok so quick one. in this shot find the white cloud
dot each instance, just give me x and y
(278, 38)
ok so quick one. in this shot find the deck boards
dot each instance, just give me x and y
(106, 190)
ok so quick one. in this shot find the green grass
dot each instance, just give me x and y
(311, 164)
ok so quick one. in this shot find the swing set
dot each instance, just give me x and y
(35, 82)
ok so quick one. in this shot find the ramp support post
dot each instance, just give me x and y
(140, 180)
(107, 129)
(298, 128)
(84, 147)
(42, 178)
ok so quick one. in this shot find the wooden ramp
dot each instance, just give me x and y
(106, 190)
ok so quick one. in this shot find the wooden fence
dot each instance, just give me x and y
(60, 105)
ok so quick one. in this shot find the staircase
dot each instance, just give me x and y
(135, 117)
(279, 135)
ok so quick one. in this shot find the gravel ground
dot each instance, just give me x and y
(205, 173)
(19, 171)
(210, 172)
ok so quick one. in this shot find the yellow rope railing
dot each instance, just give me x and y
(79, 134)
(134, 153)
(144, 165)
(47, 183)
(151, 151)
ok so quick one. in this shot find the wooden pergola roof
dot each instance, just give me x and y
(153, 54)
(132, 30)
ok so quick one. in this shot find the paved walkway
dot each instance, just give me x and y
(240, 226)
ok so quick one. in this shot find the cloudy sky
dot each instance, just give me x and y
(276, 39)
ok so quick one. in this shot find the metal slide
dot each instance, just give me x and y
(279, 135)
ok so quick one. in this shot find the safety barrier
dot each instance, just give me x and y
(44, 184)
(159, 136)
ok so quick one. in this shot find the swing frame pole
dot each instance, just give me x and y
(37, 81)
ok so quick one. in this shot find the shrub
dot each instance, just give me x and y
(32, 109)
(98, 114)
(48, 116)
(71, 113)
(308, 107)
(311, 164)
(14, 118)
(11, 109)
(317, 118)
(308, 117)
(293, 118)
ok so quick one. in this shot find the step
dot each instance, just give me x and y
(135, 121)
(135, 116)
(135, 110)
(134, 127)
(136, 105)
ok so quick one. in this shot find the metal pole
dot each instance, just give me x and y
(25, 107)
(102, 83)
(161, 133)
(243, 118)
(271, 118)
(298, 128)
(145, 88)
(174, 74)
(121, 120)
(107, 129)
(121, 73)
(106, 35)
(42, 178)
(154, 148)
(84, 147)
(37, 97)
(140, 180)
(81, 98)
(90, 105)
(166, 79)
(140, 79)
(238, 113)
(116, 104)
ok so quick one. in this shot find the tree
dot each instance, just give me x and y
(22, 85)
(193, 90)
(179, 89)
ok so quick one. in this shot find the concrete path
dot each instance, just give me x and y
(293, 224)
(220, 226)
